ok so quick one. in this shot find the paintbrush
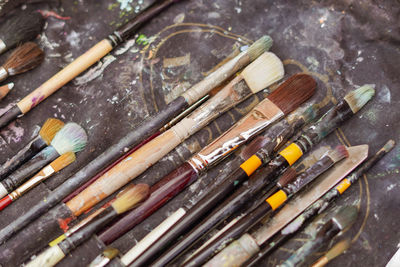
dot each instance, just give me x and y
(335, 251)
(312, 135)
(25, 57)
(46, 135)
(295, 91)
(244, 85)
(270, 204)
(71, 138)
(125, 201)
(145, 130)
(342, 220)
(60, 163)
(20, 28)
(104, 258)
(5, 89)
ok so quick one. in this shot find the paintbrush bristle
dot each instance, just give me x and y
(339, 153)
(21, 27)
(338, 249)
(345, 217)
(258, 47)
(24, 58)
(263, 72)
(359, 97)
(63, 161)
(49, 129)
(287, 177)
(110, 253)
(130, 196)
(293, 92)
(71, 137)
(389, 145)
(254, 146)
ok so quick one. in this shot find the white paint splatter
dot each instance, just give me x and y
(384, 94)
(73, 39)
(390, 187)
(96, 71)
(44, 41)
(130, 43)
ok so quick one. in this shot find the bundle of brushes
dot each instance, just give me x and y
(46, 134)
(5, 89)
(25, 57)
(19, 28)
(71, 138)
(124, 201)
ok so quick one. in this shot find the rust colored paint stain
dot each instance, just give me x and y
(63, 223)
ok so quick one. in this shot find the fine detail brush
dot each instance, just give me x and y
(273, 108)
(270, 204)
(24, 58)
(71, 138)
(125, 201)
(44, 138)
(20, 28)
(5, 89)
(104, 258)
(60, 163)
(335, 251)
(143, 131)
(342, 220)
(240, 88)
(310, 136)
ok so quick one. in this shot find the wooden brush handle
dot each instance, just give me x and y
(76, 67)
(48, 258)
(4, 91)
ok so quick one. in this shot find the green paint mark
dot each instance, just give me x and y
(112, 6)
(142, 40)
(235, 183)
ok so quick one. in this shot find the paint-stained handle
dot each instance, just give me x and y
(76, 67)
(4, 202)
(50, 257)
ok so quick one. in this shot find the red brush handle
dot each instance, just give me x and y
(5, 201)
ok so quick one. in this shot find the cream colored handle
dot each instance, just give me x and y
(128, 169)
(76, 67)
(48, 258)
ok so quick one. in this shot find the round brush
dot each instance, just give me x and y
(5, 89)
(20, 28)
(71, 137)
(335, 251)
(26, 57)
(125, 201)
(46, 135)
(60, 163)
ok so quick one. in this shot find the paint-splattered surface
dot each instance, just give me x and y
(344, 44)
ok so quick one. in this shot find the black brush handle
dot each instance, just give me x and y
(22, 156)
(9, 116)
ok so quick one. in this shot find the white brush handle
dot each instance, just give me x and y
(3, 191)
(50, 257)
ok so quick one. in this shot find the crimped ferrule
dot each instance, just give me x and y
(3, 46)
(3, 74)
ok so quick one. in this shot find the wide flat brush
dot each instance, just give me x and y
(46, 134)
(24, 58)
(71, 138)
(312, 135)
(20, 28)
(60, 163)
(269, 205)
(5, 89)
(134, 137)
(334, 252)
(125, 201)
(268, 111)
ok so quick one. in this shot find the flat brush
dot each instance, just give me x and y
(335, 251)
(104, 258)
(71, 138)
(46, 134)
(24, 58)
(125, 201)
(264, 114)
(20, 28)
(143, 131)
(270, 204)
(312, 135)
(342, 220)
(60, 163)
(5, 89)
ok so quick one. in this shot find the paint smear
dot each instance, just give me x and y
(96, 71)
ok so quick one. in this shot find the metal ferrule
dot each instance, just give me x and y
(3, 46)
(3, 74)
(115, 39)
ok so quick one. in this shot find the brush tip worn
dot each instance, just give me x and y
(71, 137)
(130, 196)
(10, 86)
(389, 145)
(339, 153)
(49, 129)
(359, 97)
(293, 92)
(345, 217)
(287, 177)
(25, 57)
(263, 72)
(63, 161)
(110, 253)
(260, 46)
(338, 249)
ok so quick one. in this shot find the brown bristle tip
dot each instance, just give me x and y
(287, 177)
(339, 153)
(293, 92)
(49, 129)
(130, 196)
(24, 58)
(338, 249)
(255, 145)
(63, 161)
